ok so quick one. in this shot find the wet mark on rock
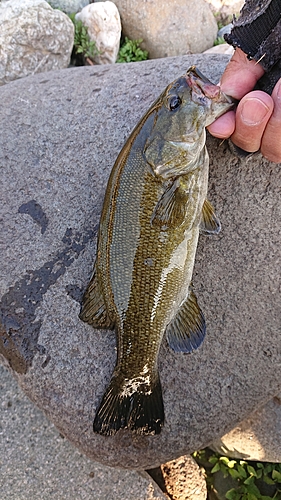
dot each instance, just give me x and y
(35, 211)
(75, 292)
(47, 361)
(19, 329)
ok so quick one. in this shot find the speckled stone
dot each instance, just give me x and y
(37, 463)
(184, 480)
(60, 135)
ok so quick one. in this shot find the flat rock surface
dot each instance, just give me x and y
(61, 133)
(37, 463)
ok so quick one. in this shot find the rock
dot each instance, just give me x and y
(34, 38)
(258, 437)
(69, 6)
(167, 28)
(222, 48)
(184, 480)
(36, 462)
(224, 9)
(225, 30)
(60, 135)
(104, 28)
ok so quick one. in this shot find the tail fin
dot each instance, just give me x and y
(130, 404)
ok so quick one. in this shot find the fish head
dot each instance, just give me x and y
(184, 109)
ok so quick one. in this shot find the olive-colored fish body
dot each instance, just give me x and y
(154, 206)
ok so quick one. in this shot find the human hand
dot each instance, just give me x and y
(256, 123)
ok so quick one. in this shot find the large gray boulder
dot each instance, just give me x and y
(169, 28)
(33, 38)
(61, 133)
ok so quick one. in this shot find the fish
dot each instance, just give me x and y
(154, 207)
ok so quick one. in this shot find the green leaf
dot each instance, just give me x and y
(251, 470)
(234, 474)
(276, 476)
(259, 473)
(213, 460)
(215, 468)
(251, 496)
(242, 471)
(249, 480)
(232, 494)
(253, 490)
(268, 480)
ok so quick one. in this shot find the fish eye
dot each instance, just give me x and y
(174, 102)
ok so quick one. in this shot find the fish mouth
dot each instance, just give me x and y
(203, 91)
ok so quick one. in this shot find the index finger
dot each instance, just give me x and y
(240, 75)
(239, 78)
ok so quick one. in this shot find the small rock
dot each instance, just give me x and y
(104, 28)
(222, 48)
(224, 9)
(33, 38)
(225, 30)
(184, 480)
(68, 6)
(168, 28)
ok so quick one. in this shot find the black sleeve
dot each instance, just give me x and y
(258, 33)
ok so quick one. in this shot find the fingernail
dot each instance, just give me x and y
(279, 89)
(253, 111)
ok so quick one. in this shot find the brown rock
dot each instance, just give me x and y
(184, 480)
(170, 27)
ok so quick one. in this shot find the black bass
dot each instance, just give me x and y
(154, 206)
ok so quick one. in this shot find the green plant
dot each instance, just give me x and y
(248, 478)
(82, 43)
(130, 51)
(219, 40)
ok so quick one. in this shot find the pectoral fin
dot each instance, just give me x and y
(187, 329)
(93, 310)
(210, 224)
(170, 210)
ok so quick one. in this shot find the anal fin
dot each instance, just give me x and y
(187, 329)
(210, 224)
(93, 310)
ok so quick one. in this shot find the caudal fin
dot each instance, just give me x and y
(130, 404)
